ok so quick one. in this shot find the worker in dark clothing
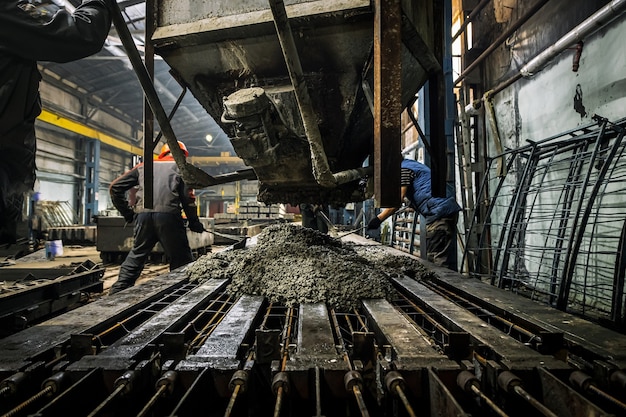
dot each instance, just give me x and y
(441, 214)
(29, 34)
(163, 223)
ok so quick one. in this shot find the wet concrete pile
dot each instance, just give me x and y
(292, 264)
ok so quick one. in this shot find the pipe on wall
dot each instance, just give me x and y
(470, 18)
(503, 37)
(595, 22)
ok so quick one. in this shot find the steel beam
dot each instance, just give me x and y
(419, 49)
(508, 352)
(92, 179)
(58, 120)
(387, 102)
(126, 351)
(437, 109)
(316, 348)
(600, 342)
(148, 115)
(24, 348)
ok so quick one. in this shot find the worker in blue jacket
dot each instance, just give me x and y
(29, 32)
(440, 213)
(163, 223)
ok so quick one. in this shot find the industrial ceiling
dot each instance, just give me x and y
(107, 81)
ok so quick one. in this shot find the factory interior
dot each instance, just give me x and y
(517, 107)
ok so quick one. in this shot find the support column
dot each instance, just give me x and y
(92, 173)
(437, 107)
(387, 102)
(449, 116)
(148, 116)
(423, 118)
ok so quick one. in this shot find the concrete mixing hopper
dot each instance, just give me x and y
(228, 53)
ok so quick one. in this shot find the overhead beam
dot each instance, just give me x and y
(52, 78)
(215, 160)
(84, 130)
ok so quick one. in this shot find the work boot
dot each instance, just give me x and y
(117, 287)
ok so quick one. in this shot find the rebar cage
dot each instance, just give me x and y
(556, 222)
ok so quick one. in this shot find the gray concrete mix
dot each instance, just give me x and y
(291, 264)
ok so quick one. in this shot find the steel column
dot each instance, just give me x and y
(148, 115)
(387, 102)
(617, 301)
(92, 174)
(437, 102)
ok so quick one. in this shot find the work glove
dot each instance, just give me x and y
(196, 226)
(129, 216)
(374, 223)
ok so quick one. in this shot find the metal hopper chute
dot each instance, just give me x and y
(293, 85)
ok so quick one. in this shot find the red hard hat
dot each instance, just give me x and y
(165, 149)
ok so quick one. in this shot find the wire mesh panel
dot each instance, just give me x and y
(555, 222)
(57, 213)
(405, 231)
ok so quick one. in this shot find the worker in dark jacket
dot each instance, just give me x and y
(163, 223)
(29, 34)
(440, 213)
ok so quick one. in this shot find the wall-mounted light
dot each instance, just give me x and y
(209, 138)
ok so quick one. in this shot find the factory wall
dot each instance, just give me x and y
(556, 99)
(56, 168)
(61, 150)
(113, 163)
